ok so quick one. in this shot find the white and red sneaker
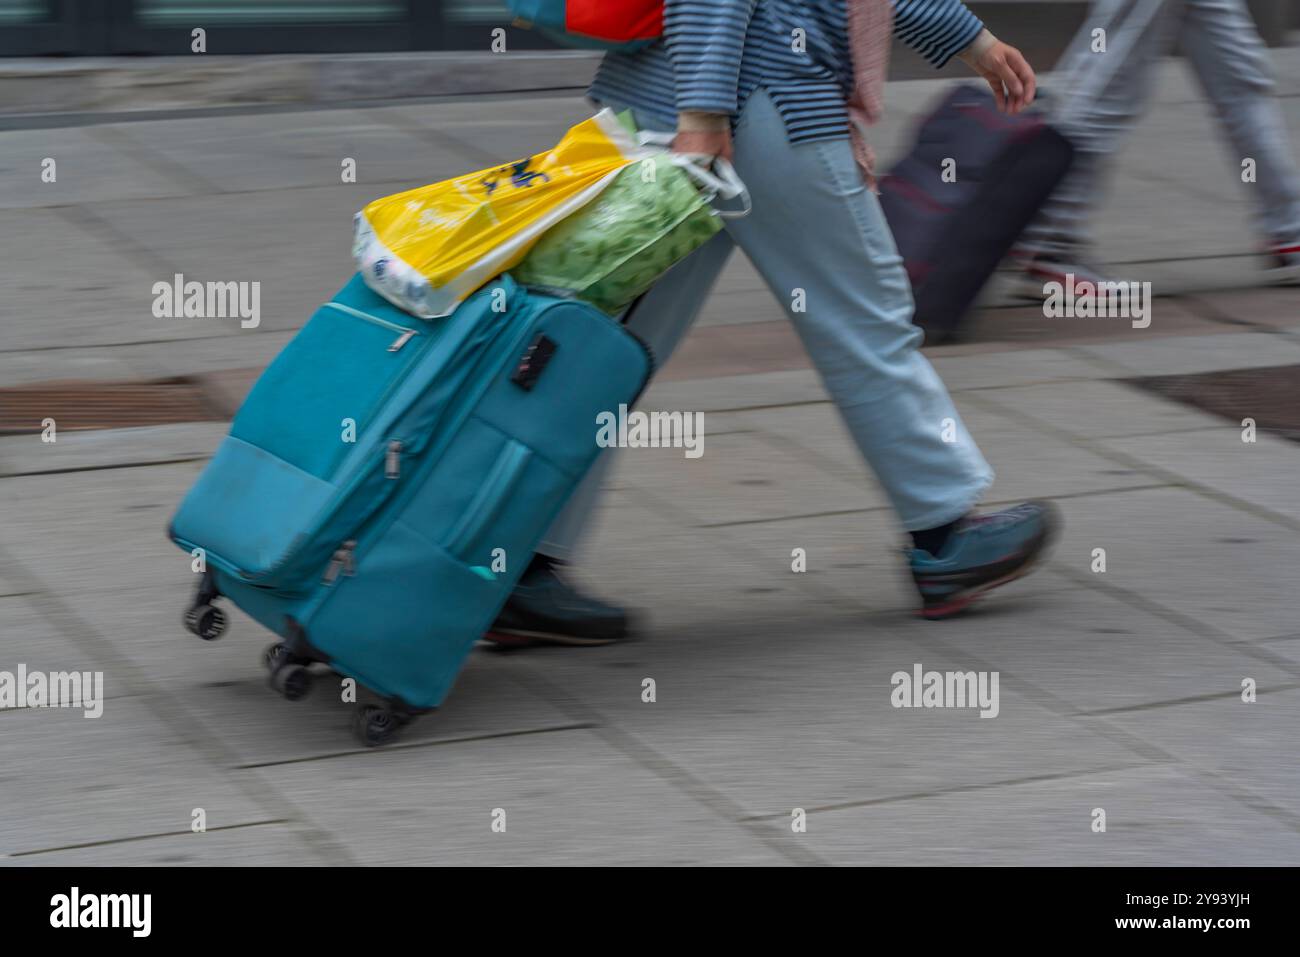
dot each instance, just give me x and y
(1283, 267)
(1034, 271)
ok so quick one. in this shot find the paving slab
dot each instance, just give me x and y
(254, 845)
(221, 356)
(99, 531)
(1195, 353)
(1288, 647)
(814, 436)
(568, 798)
(27, 638)
(1028, 463)
(1194, 275)
(1155, 816)
(86, 169)
(274, 151)
(1274, 307)
(686, 581)
(1262, 472)
(1101, 655)
(735, 392)
(124, 774)
(1125, 223)
(1195, 558)
(490, 137)
(103, 294)
(728, 349)
(1026, 326)
(779, 718)
(1099, 409)
(1249, 748)
(300, 258)
(737, 478)
(51, 365)
(856, 562)
(97, 449)
(1024, 367)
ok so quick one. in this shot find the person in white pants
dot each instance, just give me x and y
(1103, 97)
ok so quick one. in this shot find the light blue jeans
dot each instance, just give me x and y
(1104, 97)
(817, 234)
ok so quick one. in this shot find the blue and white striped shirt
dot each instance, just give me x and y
(715, 53)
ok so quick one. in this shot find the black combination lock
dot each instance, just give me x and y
(533, 361)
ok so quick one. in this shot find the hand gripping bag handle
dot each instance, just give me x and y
(714, 173)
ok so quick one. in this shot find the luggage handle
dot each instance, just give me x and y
(1128, 25)
(500, 482)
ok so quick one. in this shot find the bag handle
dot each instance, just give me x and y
(714, 173)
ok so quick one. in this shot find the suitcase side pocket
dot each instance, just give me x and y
(487, 502)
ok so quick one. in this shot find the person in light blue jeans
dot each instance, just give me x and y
(1108, 91)
(816, 227)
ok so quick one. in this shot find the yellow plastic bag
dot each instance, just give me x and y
(427, 249)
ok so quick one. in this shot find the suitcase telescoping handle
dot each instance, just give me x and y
(716, 174)
(1128, 22)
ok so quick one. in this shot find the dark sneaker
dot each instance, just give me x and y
(1283, 266)
(546, 609)
(983, 552)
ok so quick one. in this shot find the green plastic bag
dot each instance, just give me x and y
(616, 247)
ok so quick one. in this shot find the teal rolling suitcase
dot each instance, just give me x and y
(387, 479)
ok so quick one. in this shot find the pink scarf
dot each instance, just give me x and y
(871, 27)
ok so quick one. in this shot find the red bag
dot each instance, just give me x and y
(603, 24)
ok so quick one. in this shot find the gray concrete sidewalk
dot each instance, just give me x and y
(1119, 690)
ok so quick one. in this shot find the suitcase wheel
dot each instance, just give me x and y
(291, 680)
(278, 655)
(275, 655)
(207, 621)
(375, 726)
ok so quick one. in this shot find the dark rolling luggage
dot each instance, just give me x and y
(952, 235)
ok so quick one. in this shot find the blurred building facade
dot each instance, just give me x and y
(163, 27)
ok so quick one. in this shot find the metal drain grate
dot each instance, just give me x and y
(1270, 396)
(78, 405)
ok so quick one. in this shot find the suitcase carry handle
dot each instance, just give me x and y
(496, 488)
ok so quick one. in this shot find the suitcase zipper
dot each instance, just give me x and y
(341, 562)
(343, 558)
(294, 567)
(404, 334)
(393, 460)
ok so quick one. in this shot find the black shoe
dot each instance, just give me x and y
(546, 609)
